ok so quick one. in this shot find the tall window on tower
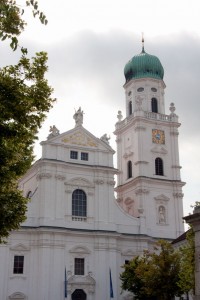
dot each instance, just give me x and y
(129, 169)
(159, 166)
(154, 105)
(130, 108)
(79, 205)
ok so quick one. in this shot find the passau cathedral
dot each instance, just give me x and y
(81, 225)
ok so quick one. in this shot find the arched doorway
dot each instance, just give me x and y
(79, 295)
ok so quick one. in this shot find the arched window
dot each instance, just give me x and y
(154, 105)
(79, 205)
(129, 169)
(130, 108)
(159, 166)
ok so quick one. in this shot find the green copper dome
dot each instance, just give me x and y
(143, 65)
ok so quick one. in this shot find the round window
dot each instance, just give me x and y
(141, 89)
(154, 89)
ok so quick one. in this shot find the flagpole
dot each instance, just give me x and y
(111, 287)
(65, 285)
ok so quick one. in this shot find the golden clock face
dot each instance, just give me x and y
(158, 136)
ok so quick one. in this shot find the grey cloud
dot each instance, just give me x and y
(100, 59)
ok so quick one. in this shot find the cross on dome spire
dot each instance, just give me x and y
(143, 42)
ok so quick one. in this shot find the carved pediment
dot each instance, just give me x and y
(80, 182)
(79, 138)
(17, 296)
(19, 247)
(158, 149)
(81, 279)
(87, 283)
(80, 250)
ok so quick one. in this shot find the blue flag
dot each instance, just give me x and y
(65, 289)
(111, 286)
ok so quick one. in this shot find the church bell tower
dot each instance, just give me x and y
(149, 185)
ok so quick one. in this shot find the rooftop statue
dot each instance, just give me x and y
(78, 117)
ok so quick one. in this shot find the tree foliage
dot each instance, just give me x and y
(187, 272)
(11, 22)
(25, 98)
(154, 275)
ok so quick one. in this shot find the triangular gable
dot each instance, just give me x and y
(78, 136)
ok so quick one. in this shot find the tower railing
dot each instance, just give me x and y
(149, 115)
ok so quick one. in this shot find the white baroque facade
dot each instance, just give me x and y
(77, 231)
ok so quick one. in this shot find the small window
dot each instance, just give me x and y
(141, 89)
(154, 105)
(84, 156)
(79, 266)
(127, 262)
(18, 267)
(73, 154)
(129, 169)
(130, 108)
(159, 166)
(129, 93)
(154, 89)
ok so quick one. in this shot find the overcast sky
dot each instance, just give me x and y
(90, 41)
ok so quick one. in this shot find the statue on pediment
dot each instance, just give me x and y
(78, 117)
(53, 132)
(105, 138)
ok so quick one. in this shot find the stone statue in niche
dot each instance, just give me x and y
(161, 215)
(78, 117)
(138, 102)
